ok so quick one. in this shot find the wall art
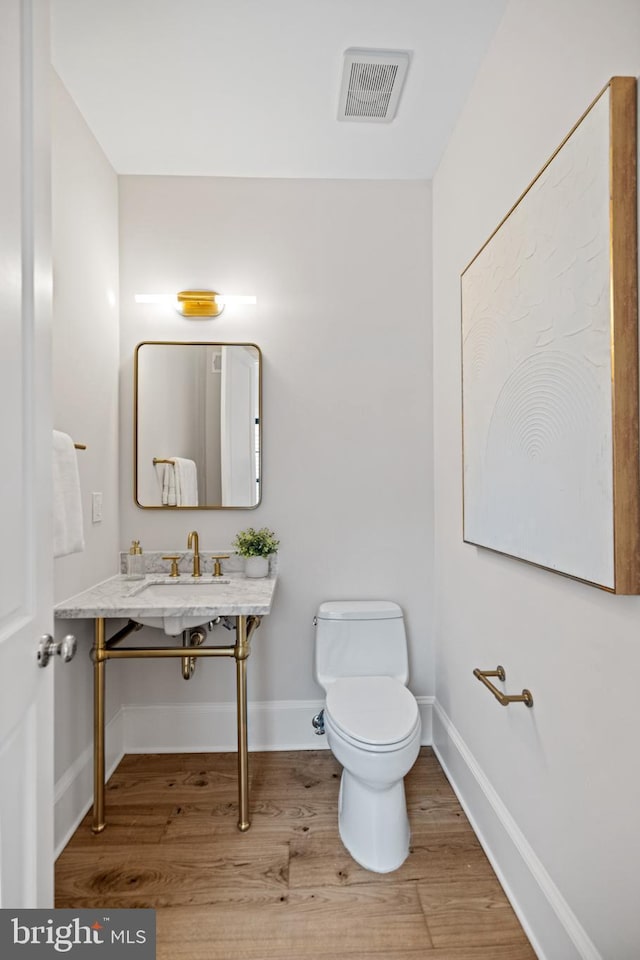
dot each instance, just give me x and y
(550, 361)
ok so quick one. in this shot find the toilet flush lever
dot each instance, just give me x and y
(318, 723)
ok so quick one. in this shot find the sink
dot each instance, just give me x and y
(172, 604)
(166, 589)
(187, 593)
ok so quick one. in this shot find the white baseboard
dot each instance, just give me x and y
(211, 727)
(553, 929)
(74, 789)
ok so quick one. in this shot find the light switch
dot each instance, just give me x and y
(96, 507)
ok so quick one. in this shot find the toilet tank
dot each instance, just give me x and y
(360, 638)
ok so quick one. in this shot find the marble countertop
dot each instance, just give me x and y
(118, 597)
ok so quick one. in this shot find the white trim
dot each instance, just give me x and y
(74, 789)
(211, 727)
(552, 927)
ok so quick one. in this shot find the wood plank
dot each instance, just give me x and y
(154, 764)
(441, 810)
(462, 914)
(174, 875)
(315, 951)
(435, 854)
(313, 775)
(167, 778)
(297, 929)
(394, 893)
(269, 818)
(511, 951)
(177, 787)
(128, 824)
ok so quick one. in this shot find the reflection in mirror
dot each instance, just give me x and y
(198, 425)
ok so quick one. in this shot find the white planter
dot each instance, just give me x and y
(256, 566)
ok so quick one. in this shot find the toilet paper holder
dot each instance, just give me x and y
(504, 699)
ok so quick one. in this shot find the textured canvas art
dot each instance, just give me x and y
(545, 456)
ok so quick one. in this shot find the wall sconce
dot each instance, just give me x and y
(195, 304)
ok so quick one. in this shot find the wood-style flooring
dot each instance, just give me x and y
(287, 889)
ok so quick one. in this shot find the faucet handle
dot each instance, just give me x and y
(174, 566)
(217, 567)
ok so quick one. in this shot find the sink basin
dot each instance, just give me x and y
(185, 593)
(167, 589)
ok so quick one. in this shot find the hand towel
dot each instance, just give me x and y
(162, 473)
(186, 474)
(171, 485)
(68, 534)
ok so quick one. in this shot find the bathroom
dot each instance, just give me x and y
(358, 321)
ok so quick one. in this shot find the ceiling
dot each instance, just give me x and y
(249, 88)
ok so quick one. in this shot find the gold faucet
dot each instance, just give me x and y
(192, 541)
(217, 566)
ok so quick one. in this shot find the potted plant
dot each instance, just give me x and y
(256, 546)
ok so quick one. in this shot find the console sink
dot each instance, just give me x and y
(172, 604)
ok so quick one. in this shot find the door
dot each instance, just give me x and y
(26, 691)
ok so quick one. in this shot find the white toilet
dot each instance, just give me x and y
(372, 724)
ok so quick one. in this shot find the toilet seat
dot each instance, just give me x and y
(378, 714)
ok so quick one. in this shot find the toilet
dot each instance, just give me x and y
(372, 723)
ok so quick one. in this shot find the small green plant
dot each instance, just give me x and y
(255, 543)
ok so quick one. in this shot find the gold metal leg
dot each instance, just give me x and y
(99, 664)
(241, 653)
(103, 651)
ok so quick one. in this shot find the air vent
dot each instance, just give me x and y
(371, 84)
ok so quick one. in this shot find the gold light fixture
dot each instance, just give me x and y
(195, 304)
(199, 303)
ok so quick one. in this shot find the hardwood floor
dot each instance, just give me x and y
(287, 889)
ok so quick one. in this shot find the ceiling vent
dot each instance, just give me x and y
(371, 84)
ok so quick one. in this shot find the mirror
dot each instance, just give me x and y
(198, 429)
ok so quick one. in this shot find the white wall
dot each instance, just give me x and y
(342, 272)
(554, 790)
(85, 399)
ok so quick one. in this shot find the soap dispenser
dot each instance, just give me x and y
(135, 562)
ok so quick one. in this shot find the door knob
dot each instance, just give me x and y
(48, 647)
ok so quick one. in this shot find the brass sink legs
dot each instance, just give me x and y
(103, 650)
(99, 663)
(241, 654)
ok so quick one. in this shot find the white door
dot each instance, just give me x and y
(26, 691)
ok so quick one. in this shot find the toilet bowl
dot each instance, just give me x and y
(373, 729)
(372, 724)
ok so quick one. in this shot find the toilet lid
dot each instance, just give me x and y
(376, 710)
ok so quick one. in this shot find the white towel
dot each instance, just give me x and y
(68, 535)
(186, 474)
(170, 481)
(166, 480)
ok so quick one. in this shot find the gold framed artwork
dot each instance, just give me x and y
(550, 361)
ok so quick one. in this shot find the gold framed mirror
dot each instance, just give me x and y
(197, 425)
